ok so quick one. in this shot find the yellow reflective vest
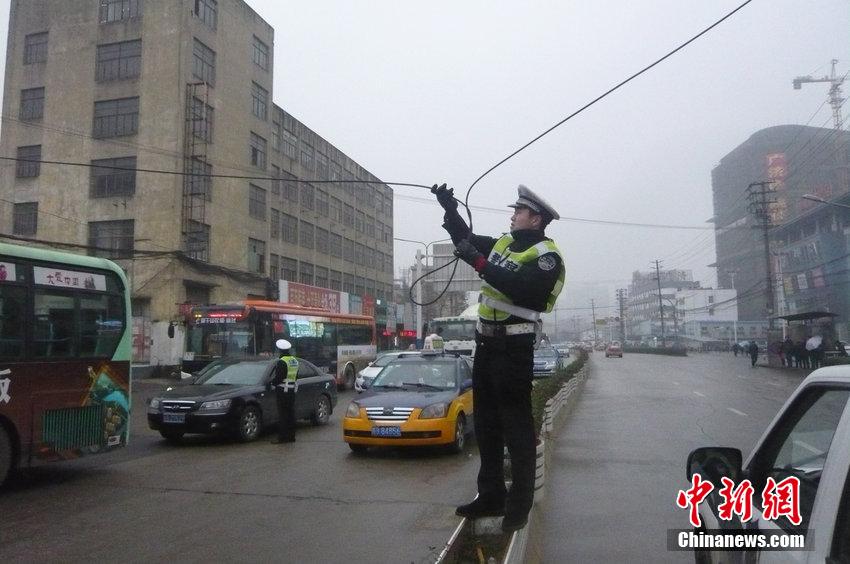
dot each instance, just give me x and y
(291, 367)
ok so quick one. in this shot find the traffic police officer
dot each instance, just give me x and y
(285, 374)
(522, 273)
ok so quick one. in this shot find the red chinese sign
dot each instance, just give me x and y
(313, 296)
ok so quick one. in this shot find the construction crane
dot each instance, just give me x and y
(835, 99)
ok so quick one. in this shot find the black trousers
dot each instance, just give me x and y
(286, 413)
(501, 387)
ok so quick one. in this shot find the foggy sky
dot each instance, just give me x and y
(440, 91)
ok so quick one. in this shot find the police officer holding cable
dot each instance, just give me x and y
(284, 381)
(523, 273)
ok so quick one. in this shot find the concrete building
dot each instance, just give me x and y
(799, 160)
(644, 311)
(122, 88)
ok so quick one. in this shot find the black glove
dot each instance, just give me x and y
(445, 196)
(467, 252)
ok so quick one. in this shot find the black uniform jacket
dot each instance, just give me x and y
(527, 287)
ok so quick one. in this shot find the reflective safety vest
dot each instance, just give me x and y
(291, 367)
(496, 306)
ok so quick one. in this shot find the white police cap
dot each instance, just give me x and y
(527, 198)
(283, 344)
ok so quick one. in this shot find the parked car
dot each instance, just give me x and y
(808, 439)
(419, 398)
(546, 362)
(235, 396)
(365, 376)
(614, 349)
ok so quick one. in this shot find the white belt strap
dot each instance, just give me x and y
(516, 310)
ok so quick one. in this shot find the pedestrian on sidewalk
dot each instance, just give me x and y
(522, 274)
(753, 349)
(789, 349)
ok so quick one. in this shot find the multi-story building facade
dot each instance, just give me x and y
(644, 309)
(797, 160)
(175, 161)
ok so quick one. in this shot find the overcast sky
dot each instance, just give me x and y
(441, 91)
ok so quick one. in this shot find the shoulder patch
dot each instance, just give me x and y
(546, 262)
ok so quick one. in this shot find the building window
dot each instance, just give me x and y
(119, 10)
(275, 225)
(322, 165)
(307, 156)
(274, 266)
(305, 273)
(261, 54)
(35, 48)
(116, 118)
(200, 180)
(203, 116)
(335, 210)
(322, 202)
(348, 249)
(289, 269)
(32, 104)
(259, 101)
(111, 239)
(107, 180)
(322, 240)
(370, 227)
(117, 61)
(28, 165)
(256, 256)
(290, 187)
(290, 144)
(25, 218)
(258, 151)
(203, 63)
(289, 228)
(307, 196)
(305, 234)
(335, 282)
(256, 202)
(359, 253)
(360, 221)
(276, 131)
(348, 283)
(197, 241)
(336, 245)
(321, 277)
(207, 12)
(348, 215)
(275, 181)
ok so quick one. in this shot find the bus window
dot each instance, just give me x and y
(101, 325)
(12, 303)
(53, 330)
(355, 335)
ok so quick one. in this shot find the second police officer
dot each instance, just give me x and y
(284, 381)
(523, 273)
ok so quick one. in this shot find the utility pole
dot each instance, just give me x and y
(595, 330)
(660, 303)
(760, 195)
(621, 297)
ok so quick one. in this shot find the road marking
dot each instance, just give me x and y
(676, 383)
(699, 394)
(777, 384)
(741, 413)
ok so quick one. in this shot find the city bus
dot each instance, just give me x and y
(65, 351)
(339, 344)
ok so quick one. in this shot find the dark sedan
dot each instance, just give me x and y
(235, 396)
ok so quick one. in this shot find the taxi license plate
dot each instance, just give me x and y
(386, 431)
(173, 417)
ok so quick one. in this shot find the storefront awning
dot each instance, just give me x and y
(807, 315)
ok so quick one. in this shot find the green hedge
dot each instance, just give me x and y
(545, 388)
(672, 351)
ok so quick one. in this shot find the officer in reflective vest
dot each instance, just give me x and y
(284, 381)
(522, 274)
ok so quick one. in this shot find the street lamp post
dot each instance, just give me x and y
(820, 200)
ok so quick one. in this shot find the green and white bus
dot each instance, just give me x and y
(65, 350)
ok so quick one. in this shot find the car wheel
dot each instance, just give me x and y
(250, 424)
(349, 377)
(460, 435)
(172, 436)
(322, 413)
(7, 456)
(357, 449)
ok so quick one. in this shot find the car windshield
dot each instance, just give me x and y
(546, 353)
(419, 374)
(244, 373)
(384, 360)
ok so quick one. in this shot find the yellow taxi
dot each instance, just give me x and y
(419, 398)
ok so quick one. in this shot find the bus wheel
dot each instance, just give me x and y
(349, 377)
(7, 456)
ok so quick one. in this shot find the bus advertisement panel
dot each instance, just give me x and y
(339, 344)
(65, 346)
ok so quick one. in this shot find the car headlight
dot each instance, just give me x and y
(154, 403)
(353, 410)
(434, 411)
(217, 404)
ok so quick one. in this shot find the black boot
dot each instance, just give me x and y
(480, 507)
